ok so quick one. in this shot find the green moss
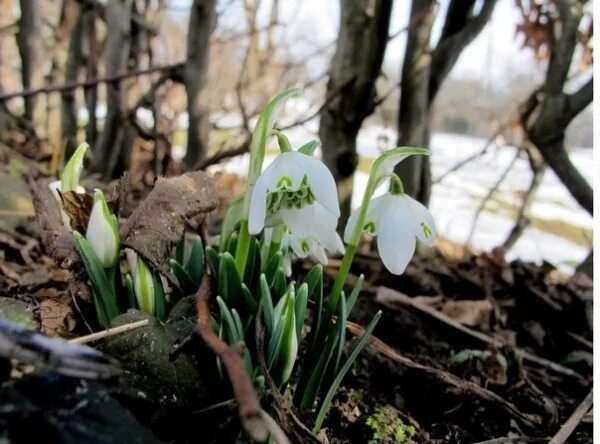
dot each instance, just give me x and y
(388, 427)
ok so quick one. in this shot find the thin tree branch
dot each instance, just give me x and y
(579, 100)
(92, 82)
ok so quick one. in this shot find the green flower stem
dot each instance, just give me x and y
(258, 144)
(375, 179)
(396, 187)
(243, 246)
(284, 143)
(278, 233)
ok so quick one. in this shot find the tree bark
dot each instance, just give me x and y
(549, 110)
(29, 44)
(361, 44)
(91, 93)
(107, 148)
(69, 103)
(424, 71)
(202, 22)
(413, 115)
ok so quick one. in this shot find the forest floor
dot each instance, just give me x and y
(468, 349)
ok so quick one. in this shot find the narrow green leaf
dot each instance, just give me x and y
(130, 291)
(230, 284)
(267, 304)
(195, 263)
(184, 279)
(341, 331)
(300, 308)
(102, 287)
(227, 321)
(272, 266)
(308, 395)
(309, 147)
(232, 218)
(232, 242)
(160, 300)
(253, 265)
(238, 325)
(355, 292)
(362, 342)
(279, 285)
(284, 355)
(251, 303)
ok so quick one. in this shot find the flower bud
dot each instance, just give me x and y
(143, 287)
(69, 179)
(286, 348)
(103, 232)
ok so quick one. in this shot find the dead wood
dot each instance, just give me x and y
(570, 424)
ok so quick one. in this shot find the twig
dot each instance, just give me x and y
(109, 332)
(581, 340)
(284, 414)
(569, 426)
(489, 195)
(390, 298)
(231, 356)
(484, 149)
(222, 155)
(88, 82)
(509, 439)
(461, 385)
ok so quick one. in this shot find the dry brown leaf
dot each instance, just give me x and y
(469, 313)
(158, 223)
(56, 316)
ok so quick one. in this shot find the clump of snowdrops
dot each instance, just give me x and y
(289, 211)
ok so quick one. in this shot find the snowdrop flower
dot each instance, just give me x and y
(303, 247)
(300, 192)
(103, 231)
(397, 220)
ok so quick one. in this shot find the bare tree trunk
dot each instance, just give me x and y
(202, 22)
(413, 115)
(91, 92)
(361, 44)
(118, 43)
(550, 110)
(29, 43)
(69, 103)
(424, 71)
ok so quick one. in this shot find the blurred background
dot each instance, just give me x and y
(498, 90)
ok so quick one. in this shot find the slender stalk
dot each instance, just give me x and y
(278, 233)
(243, 246)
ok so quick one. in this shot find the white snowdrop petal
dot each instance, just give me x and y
(258, 206)
(423, 220)
(317, 253)
(286, 165)
(321, 183)
(395, 240)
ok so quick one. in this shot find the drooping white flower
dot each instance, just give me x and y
(103, 231)
(397, 220)
(300, 192)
